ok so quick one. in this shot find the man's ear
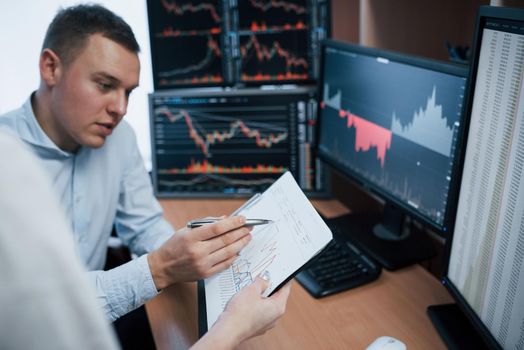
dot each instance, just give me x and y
(50, 67)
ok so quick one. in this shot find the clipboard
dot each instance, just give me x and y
(283, 248)
(202, 311)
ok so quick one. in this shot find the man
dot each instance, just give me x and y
(88, 67)
(45, 300)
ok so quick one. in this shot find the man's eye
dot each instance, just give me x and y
(104, 86)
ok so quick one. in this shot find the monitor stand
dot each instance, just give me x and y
(387, 238)
(454, 328)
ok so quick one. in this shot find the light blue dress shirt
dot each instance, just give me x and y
(98, 188)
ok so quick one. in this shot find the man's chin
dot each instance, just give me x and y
(95, 142)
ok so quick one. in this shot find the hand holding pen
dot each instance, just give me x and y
(197, 253)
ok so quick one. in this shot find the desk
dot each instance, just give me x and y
(393, 305)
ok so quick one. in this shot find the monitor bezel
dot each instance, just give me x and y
(426, 63)
(153, 49)
(325, 192)
(484, 13)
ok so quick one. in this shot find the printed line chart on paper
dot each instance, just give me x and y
(281, 248)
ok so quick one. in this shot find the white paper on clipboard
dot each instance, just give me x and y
(297, 234)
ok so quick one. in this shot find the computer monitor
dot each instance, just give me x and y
(232, 142)
(229, 43)
(485, 249)
(392, 123)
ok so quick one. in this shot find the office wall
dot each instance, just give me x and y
(418, 27)
(345, 15)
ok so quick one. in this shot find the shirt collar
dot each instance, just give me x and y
(31, 131)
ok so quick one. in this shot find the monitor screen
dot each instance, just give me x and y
(485, 270)
(392, 123)
(226, 43)
(235, 142)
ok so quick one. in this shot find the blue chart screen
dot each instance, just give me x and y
(393, 125)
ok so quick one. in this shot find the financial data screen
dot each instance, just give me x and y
(236, 142)
(220, 42)
(392, 125)
(487, 252)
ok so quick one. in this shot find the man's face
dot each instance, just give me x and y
(91, 95)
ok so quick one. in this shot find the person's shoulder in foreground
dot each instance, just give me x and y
(46, 302)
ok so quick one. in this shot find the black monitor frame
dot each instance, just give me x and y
(448, 68)
(484, 13)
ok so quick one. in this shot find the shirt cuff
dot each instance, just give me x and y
(149, 284)
(125, 287)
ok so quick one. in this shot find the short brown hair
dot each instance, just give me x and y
(68, 32)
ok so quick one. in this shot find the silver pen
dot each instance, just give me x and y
(249, 222)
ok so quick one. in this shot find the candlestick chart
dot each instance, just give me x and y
(274, 40)
(268, 57)
(232, 144)
(186, 42)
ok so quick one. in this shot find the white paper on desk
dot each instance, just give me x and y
(297, 234)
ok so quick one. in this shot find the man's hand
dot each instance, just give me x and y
(193, 254)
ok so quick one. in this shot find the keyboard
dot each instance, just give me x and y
(340, 266)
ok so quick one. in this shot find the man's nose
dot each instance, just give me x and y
(118, 106)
